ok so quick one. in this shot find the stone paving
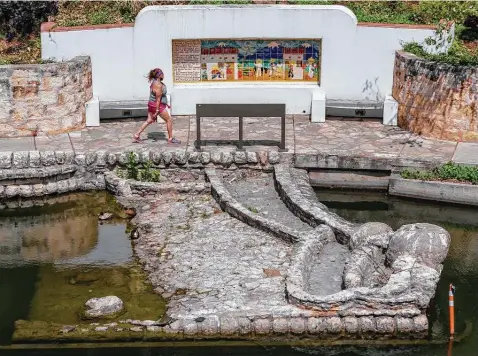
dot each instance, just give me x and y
(210, 263)
(258, 194)
(367, 138)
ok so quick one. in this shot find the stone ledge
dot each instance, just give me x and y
(31, 173)
(306, 206)
(60, 187)
(332, 161)
(238, 327)
(456, 193)
(229, 204)
(131, 188)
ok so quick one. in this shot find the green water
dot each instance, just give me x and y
(55, 257)
(19, 286)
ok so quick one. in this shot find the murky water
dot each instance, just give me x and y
(55, 257)
(20, 285)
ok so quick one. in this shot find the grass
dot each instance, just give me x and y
(448, 172)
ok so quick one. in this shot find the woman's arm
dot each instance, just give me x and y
(158, 91)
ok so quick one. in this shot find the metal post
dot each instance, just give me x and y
(282, 134)
(451, 308)
(198, 132)
(241, 133)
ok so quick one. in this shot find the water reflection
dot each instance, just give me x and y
(65, 231)
(35, 239)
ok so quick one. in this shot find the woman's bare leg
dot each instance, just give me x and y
(145, 124)
(169, 123)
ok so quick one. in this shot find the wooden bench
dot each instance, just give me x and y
(240, 111)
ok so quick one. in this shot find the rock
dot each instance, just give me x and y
(134, 235)
(272, 272)
(240, 157)
(105, 216)
(372, 233)
(5, 160)
(111, 159)
(274, 157)
(99, 307)
(216, 157)
(101, 328)
(130, 212)
(35, 161)
(67, 329)
(199, 319)
(428, 243)
(252, 157)
(164, 321)
(20, 159)
(136, 329)
(167, 156)
(153, 328)
(148, 323)
(47, 158)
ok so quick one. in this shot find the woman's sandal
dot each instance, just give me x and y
(136, 139)
(174, 140)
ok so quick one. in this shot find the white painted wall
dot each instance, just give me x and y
(357, 61)
(111, 52)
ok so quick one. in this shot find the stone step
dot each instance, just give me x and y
(369, 180)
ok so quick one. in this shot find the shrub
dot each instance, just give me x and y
(463, 50)
(448, 171)
(22, 18)
(144, 171)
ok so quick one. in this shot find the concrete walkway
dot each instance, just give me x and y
(334, 137)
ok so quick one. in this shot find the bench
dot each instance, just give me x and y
(240, 111)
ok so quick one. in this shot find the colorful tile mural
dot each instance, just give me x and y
(249, 60)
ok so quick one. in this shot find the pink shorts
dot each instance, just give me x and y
(152, 107)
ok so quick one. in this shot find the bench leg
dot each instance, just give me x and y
(198, 133)
(240, 147)
(282, 135)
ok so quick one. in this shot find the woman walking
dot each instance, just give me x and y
(157, 104)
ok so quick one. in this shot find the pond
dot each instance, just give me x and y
(55, 257)
(461, 269)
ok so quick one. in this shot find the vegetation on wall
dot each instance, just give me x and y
(447, 172)
(140, 171)
(463, 51)
(21, 44)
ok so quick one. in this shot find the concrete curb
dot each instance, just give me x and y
(455, 193)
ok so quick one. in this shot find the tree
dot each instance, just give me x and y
(22, 18)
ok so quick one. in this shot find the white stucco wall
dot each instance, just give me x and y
(356, 61)
(111, 52)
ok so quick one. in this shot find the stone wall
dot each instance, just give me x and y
(47, 98)
(436, 100)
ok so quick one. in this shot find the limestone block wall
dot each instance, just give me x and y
(436, 100)
(46, 98)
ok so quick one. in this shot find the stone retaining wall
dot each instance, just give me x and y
(436, 100)
(44, 98)
(27, 174)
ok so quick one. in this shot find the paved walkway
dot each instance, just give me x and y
(335, 136)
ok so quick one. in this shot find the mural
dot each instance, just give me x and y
(251, 60)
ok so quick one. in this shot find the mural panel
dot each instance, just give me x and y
(246, 60)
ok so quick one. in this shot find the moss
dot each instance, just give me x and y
(42, 332)
(61, 293)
